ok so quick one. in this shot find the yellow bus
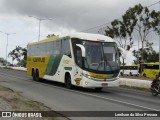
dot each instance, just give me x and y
(129, 70)
(149, 70)
(80, 59)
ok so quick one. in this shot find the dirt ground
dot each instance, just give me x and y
(19, 103)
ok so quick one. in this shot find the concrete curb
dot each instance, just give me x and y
(15, 68)
(135, 83)
(19, 68)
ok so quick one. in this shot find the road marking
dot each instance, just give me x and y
(110, 99)
(97, 96)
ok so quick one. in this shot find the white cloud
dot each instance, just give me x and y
(70, 15)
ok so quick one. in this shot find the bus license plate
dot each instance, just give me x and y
(104, 84)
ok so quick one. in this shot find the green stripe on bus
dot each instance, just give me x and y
(53, 64)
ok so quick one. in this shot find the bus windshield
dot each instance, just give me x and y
(100, 56)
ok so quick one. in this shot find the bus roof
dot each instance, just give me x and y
(86, 36)
(90, 36)
(45, 40)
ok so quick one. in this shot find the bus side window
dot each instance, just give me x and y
(66, 47)
(29, 49)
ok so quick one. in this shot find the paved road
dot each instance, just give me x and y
(57, 97)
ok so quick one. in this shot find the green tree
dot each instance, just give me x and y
(19, 54)
(121, 31)
(50, 35)
(149, 55)
(145, 22)
(3, 61)
(137, 18)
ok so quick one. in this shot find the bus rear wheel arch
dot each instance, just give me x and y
(68, 82)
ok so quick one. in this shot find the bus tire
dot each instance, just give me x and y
(68, 81)
(121, 73)
(33, 74)
(98, 89)
(144, 75)
(154, 93)
(37, 75)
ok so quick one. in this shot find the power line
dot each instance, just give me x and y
(95, 27)
(110, 22)
(153, 4)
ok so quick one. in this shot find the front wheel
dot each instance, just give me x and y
(153, 91)
(68, 82)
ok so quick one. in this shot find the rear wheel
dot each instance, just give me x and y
(33, 75)
(37, 76)
(68, 81)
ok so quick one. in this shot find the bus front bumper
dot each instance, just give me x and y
(90, 83)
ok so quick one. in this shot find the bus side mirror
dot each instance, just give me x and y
(122, 52)
(82, 49)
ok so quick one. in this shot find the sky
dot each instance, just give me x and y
(65, 16)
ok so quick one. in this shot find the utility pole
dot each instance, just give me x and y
(7, 34)
(40, 19)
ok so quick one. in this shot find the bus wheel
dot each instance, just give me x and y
(98, 89)
(37, 76)
(68, 81)
(121, 74)
(33, 75)
(144, 75)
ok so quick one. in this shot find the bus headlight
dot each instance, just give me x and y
(86, 74)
